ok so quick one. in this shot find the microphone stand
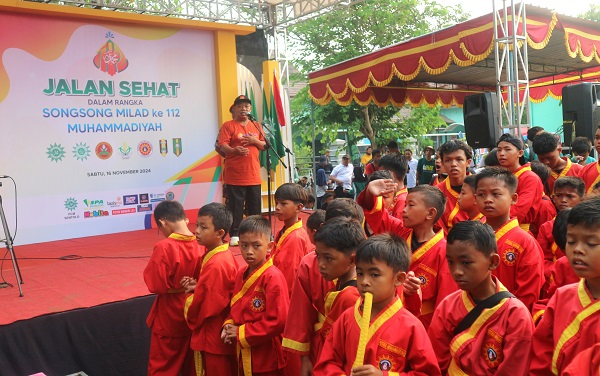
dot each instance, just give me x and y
(8, 241)
(288, 152)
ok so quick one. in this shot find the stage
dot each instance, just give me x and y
(84, 306)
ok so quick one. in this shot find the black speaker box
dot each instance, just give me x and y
(481, 117)
(581, 110)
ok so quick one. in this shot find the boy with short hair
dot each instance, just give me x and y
(456, 157)
(398, 166)
(591, 172)
(336, 244)
(208, 305)
(313, 223)
(172, 258)
(466, 199)
(424, 207)
(292, 242)
(581, 148)
(498, 340)
(521, 266)
(568, 192)
(571, 321)
(390, 200)
(259, 305)
(308, 295)
(397, 341)
(373, 164)
(548, 150)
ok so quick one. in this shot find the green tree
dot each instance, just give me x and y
(351, 32)
(593, 13)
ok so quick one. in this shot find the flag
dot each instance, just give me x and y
(272, 133)
(251, 97)
(278, 101)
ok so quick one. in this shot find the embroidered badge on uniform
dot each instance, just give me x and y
(257, 304)
(491, 353)
(385, 363)
(510, 257)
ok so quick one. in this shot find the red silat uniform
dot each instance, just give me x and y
(571, 169)
(290, 247)
(571, 324)
(561, 274)
(549, 247)
(259, 307)
(207, 308)
(428, 262)
(336, 302)
(590, 175)
(498, 342)
(452, 213)
(521, 268)
(398, 344)
(399, 203)
(585, 363)
(530, 190)
(308, 313)
(172, 259)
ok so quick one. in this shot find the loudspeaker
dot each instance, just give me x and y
(581, 110)
(481, 120)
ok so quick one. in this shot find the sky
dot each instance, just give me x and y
(567, 7)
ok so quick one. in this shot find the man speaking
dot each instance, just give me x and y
(241, 140)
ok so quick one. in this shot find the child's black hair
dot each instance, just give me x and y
(293, 192)
(388, 248)
(491, 158)
(475, 233)
(222, 218)
(455, 145)
(396, 163)
(559, 229)
(169, 210)
(310, 198)
(344, 207)
(545, 142)
(256, 224)
(572, 182)
(376, 152)
(380, 174)
(543, 172)
(471, 182)
(433, 197)
(533, 132)
(586, 213)
(581, 145)
(500, 174)
(341, 234)
(315, 220)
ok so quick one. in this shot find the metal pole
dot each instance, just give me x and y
(11, 250)
(312, 157)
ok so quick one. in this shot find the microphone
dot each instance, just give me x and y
(249, 115)
(4, 176)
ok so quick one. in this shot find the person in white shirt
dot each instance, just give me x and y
(411, 177)
(342, 173)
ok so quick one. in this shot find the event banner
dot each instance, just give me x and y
(100, 122)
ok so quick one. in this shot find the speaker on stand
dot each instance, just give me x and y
(581, 110)
(480, 112)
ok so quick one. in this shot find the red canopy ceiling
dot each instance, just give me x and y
(445, 66)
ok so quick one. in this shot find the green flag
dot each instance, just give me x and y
(272, 132)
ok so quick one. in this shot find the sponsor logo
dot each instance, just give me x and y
(93, 203)
(117, 202)
(125, 151)
(157, 197)
(177, 147)
(130, 199)
(95, 214)
(170, 196)
(70, 204)
(145, 148)
(144, 208)
(81, 151)
(144, 198)
(123, 211)
(109, 58)
(56, 152)
(164, 150)
(104, 150)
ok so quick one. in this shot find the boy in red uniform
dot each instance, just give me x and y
(568, 192)
(398, 166)
(301, 334)
(571, 322)
(521, 264)
(397, 342)
(292, 242)
(336, 244)
(466, 199)
(530, 188)
(591, 172)
(259, 304)
(456, 158)
(424, 207)
(171, 260)
(548, 150)
(497, 340)
(208, 305)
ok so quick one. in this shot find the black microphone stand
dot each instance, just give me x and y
(8, 241)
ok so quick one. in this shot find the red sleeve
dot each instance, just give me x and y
(333, 356)
(420, 356)
(441, 332)
(530, 191)
(543, 343)
(545, 240)
(158, 271)
(413, 303)
(379, 219)
(529, 277)
(225, 134)
(288, 257)
(273, 321)
(516, 346)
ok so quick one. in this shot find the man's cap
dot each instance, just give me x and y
(345, 156)
(322, 159)
(429, 147)
(507, 137)
(242, 99)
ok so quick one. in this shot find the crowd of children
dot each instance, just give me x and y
(483, 274)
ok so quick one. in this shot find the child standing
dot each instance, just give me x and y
(466, 199)
(591, 172)
(571, 322)
(292, 242)
(208, 306)
(396, 340)
(398, 166)
(495, 341)
(548, 150)
(521, 265)
(259, 305)
(172, 258)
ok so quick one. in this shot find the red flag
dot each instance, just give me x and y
(278, 102)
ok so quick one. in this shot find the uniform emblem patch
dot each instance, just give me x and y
(510, 257)
(492, 354)
(385, 364)
(257, 304)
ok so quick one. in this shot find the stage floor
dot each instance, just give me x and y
(80, 273)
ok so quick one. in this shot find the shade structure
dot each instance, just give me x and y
(445, 66)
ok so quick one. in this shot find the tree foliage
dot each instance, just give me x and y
(593, 13)
(353, 31)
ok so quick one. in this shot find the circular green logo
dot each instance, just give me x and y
(81, 151)
(70, 204)
(56, 152)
